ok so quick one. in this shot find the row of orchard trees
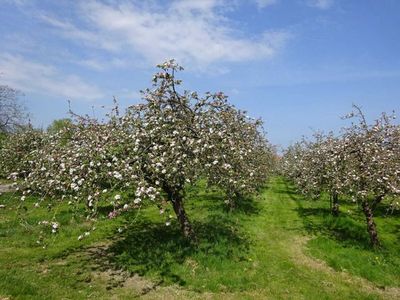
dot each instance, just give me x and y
(155, 149)
(362, 164)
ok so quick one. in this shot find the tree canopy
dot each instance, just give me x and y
(155, 149)
(12, 112)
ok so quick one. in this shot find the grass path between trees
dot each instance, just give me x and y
(278, 246)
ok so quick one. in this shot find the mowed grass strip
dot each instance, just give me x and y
(275, 246)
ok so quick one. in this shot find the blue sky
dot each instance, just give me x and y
(297, 64)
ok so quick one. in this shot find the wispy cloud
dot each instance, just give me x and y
(265, 3)
(194, 32)
(321, 4)
(71, 31)
(30, 76)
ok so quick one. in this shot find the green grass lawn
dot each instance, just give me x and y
(276, 246)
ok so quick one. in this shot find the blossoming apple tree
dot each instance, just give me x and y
(155, 149)
(17, 149)
(363, 163)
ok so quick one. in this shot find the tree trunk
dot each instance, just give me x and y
(371, 226)
(186, 227)
(234, 200)
(335, 204)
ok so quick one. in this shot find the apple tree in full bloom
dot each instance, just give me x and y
(362, 163)
(17, 149)
(155, 149)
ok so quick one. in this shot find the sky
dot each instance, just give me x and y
(297, 64)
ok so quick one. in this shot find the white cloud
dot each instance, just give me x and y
(195, 5)
(265, 3)
(100, 64)
(93, 64)
(321, 4)
(29, 76)
(193, 32)
(71, 31)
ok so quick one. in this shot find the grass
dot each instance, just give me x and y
(275, 246)
(343, 241)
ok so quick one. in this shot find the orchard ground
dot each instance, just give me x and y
(278, 245)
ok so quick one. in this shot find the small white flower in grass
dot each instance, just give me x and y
(23, 198)
(168, 223)
(120, 230)
(80, 237)
(54, 227)
(87, 233)
(104, 191)
(117, 197)
(126, 206)
(37, 204)
(137, 201)
(215, 162)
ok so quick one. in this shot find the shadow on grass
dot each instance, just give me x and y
(154, 249)
(241, 206)
(343, 228)
(104, 210)
(384, 210)
(216, 203)
(247, 206)
(213, 199)
(319, 220)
